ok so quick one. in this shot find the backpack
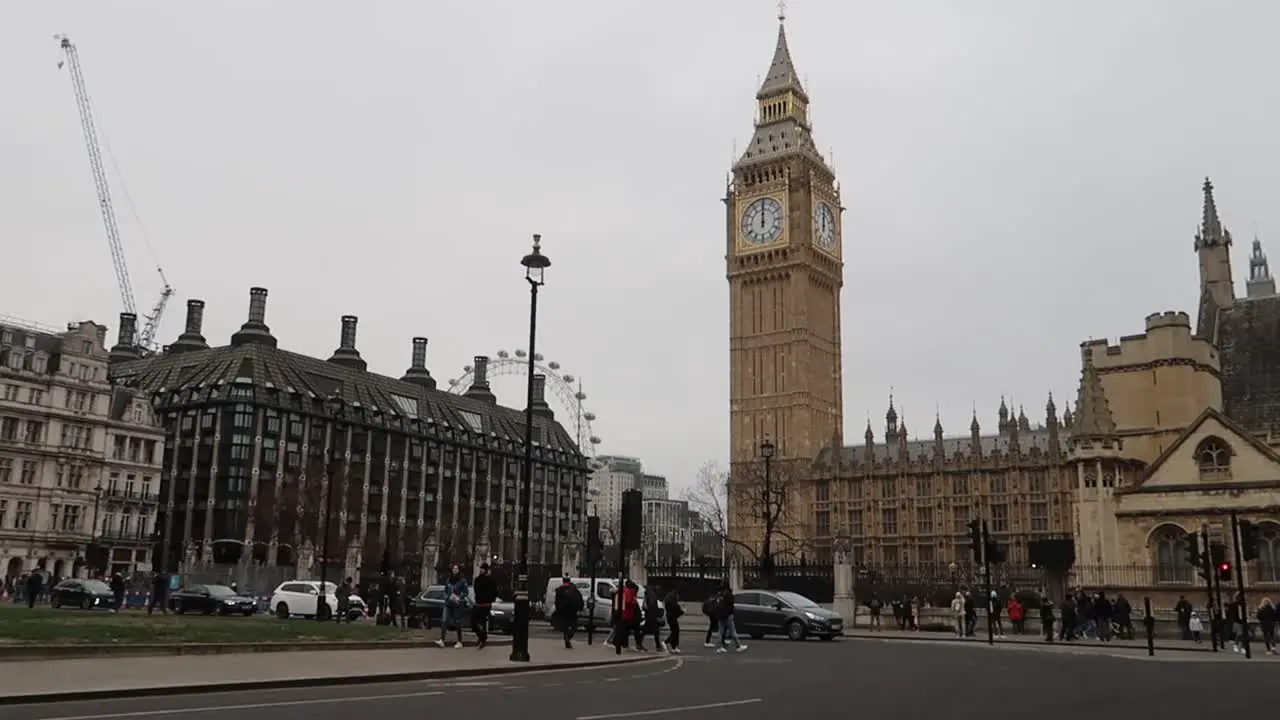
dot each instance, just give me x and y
(709, 606)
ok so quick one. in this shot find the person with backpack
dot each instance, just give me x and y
(568, 603)
(713, 626)
(673, 611)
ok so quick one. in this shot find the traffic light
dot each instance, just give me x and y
(995, 553)
(975, 539)
(1195, 558)
(632, 519)
(1218, 558)
(1248, 540)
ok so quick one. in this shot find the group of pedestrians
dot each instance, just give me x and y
(1227, 624)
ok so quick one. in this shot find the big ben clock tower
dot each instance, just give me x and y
(785, 271)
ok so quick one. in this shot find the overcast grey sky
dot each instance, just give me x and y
(1020, 175)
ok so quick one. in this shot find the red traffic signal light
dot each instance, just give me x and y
(1224, 571)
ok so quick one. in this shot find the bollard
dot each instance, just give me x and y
(1150, 623)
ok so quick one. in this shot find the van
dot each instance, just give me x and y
(598, 604)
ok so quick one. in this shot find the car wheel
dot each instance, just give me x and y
(208, 611)
(282, 611)
(247, 613)
(86, 604)
(180, 608)
(826, 638)
(55, 602)
(795, 630)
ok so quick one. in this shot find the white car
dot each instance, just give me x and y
(302, 597)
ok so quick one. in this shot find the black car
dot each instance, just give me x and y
(83, 594)
(758, 613)
(210, 600)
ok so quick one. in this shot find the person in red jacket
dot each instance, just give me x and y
(1016, 614)
(631, 612)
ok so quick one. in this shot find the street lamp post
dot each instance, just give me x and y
(535, 265)
(93, 534)
(333, 406)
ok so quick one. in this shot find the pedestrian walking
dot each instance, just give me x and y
(486, 592)
(159, 594)
(564, 614)
(728, 630)
(709, 609)
(653, 612)
(674, 612)
(456, 597)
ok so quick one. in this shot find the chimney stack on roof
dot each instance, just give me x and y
(540, 406)
(126, 341)
(347, 355)
(192, 337)
(417, 372)
(480, 382)
(255, 331)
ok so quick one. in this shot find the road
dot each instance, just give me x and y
(815, 681)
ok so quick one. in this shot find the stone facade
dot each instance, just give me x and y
(79, 459)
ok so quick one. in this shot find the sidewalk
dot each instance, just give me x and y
(1162, 644)
(91, 679)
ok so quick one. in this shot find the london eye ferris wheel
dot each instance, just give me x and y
(565, 388)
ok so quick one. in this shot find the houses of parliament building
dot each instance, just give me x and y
(1172, 428)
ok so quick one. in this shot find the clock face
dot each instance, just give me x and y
(762, 221)
(824, 227)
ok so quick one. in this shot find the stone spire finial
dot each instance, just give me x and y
(1093, 413)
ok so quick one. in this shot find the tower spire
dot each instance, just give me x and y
(782, 75)
(1213, 246)
(1260, 284)
(1211, 232)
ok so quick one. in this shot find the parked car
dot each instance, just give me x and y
(758, 613)
(302, 597)
(83, 594)
(210, 600)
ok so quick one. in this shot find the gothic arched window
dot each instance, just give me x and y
(1213, 456)
(1168, 550)
(1268, 566)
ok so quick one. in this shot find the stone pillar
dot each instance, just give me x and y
(635, 569)
(306, 560)
(735, 572)
(351, 566)
(484, 554)
(188, 556)
(842, 574)
(571, 556)
(430, 558)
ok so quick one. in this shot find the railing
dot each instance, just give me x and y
(110, 493)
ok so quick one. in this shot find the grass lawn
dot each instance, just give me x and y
(45, 626)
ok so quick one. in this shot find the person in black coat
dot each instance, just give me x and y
(486, 592)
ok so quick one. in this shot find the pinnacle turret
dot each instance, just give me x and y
(1260, 284)
(1093, 413)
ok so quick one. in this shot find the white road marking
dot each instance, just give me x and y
(245, 706)
(663, 711)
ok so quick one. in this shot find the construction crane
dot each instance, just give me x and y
(146, 337)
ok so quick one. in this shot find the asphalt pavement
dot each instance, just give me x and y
(811, 680)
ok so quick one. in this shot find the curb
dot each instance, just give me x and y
(1019, 643)
(15, 653)
(292, 683)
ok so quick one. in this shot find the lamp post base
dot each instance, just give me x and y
(520, 624)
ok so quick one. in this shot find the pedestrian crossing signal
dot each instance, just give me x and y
(1224, 571)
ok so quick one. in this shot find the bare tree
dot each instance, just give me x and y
(748, 495)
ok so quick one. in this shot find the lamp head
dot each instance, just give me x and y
(766, 449)
(535, 263)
